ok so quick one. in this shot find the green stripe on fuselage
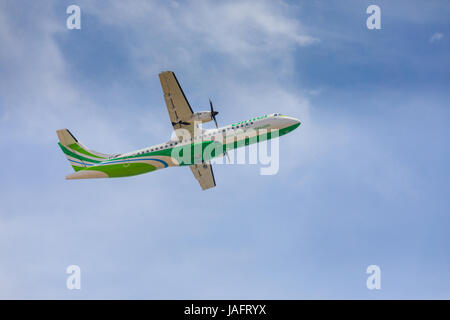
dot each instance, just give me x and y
(176, 153)
(123, 170)
(169, 151)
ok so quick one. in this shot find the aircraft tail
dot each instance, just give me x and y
(78, 155)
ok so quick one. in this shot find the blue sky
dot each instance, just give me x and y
(363, 181)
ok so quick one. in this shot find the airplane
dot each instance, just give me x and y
(188, 148)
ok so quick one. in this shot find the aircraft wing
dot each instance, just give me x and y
(180, 112)
(204, 174)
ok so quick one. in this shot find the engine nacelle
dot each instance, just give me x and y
(202, 116)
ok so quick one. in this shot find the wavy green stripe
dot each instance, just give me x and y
(76, 156)
(79, 149)
(123, 170)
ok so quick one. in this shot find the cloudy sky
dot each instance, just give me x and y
(364, 180)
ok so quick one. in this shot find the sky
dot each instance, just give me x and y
(364, 181)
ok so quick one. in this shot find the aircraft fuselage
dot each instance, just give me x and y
(205, 145)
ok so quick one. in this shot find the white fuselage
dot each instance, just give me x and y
(254, 126)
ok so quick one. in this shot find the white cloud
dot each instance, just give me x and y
(252, 41)
(246, 32)
(436, 37)
(240, 53)
(39, 95)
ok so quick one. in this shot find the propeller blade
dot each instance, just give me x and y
(213, 113)
(213, 116)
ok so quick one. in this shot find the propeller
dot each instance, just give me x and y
(213, 116)
(213, 113)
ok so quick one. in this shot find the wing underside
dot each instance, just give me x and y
(180, 111)
(204, 174)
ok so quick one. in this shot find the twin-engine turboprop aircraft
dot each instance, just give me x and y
(193, 146)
